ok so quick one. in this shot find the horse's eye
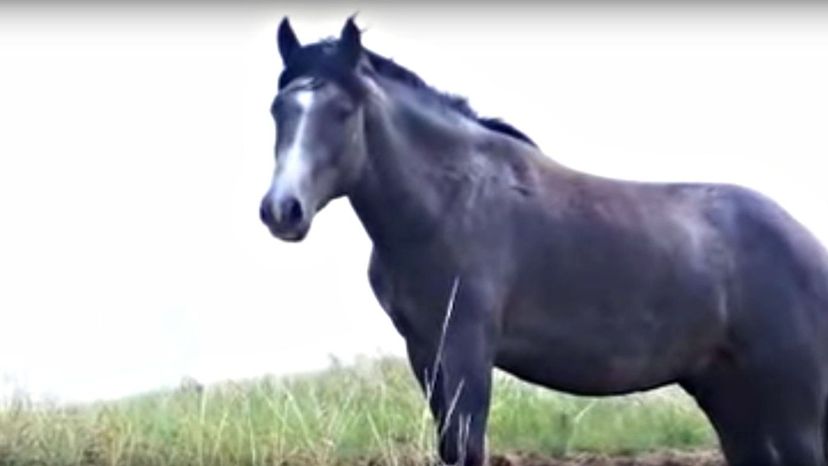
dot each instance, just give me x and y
(342, 112)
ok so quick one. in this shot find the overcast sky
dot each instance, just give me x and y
(135, 145)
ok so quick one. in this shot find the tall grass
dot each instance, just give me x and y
(369, 413)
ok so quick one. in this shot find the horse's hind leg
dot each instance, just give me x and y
(732, 410)
(797, 444)
(764, 418)
(825, 430)
(794, 410)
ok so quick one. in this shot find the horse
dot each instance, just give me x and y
(487, 253)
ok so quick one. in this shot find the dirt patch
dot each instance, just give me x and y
(660, 458)
(702, 458)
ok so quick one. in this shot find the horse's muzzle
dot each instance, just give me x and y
(286, 219)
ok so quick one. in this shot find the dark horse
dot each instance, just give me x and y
(487, 253)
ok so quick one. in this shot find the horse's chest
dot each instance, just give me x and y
(405, 297)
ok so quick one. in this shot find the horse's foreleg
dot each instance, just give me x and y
(422, 358)
(455, 373)
(465, 378)
(464, 359)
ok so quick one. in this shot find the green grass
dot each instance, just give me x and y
(340, 416)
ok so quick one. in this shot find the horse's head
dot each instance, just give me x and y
(319, 129)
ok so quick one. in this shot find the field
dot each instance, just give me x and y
(370, 413)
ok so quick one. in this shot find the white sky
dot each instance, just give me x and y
(135, 144)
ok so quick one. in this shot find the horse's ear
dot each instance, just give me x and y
(288, 43)
(350, 42)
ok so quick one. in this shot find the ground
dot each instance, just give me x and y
(660, 458)
(701, 458)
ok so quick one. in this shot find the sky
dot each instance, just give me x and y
(136, 143)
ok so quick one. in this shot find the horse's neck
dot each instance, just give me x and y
(404, 192)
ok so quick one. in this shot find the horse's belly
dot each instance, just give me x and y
(606, 357)
(581, 374)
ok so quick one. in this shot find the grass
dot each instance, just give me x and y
(341, 416)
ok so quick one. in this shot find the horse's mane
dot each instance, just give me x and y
(318, 58)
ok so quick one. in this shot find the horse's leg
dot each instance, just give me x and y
(458, 395)
(466, 372)
(764, 416)
(797, 444)
(733, 408)
(460, 386)
(825, 430)
(422, 358)
(794, 403)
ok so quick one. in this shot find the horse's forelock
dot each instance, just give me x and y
(320, 60)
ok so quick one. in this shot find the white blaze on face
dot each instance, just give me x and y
(292, 166)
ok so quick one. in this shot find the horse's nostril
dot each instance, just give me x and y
(292, 211)
(265, 213)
